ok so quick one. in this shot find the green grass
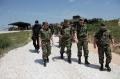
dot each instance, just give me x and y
(10, 41)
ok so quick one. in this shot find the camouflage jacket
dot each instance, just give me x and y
(81, 31)
(45, 35)
(66, 33)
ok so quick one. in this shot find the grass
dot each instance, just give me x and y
(10, 41)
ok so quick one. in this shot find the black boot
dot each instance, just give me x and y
(108, 67)
(101, 67)
(69, 59)
(47, 60)
(79, 60)
(37, 50)
(86, 61)
(44, 62)
(62, 57)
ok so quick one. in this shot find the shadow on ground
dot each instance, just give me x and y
(94, 66)
(39, 61)
(76, 60)
(32, 50)
(65, 59)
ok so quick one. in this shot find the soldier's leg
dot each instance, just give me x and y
(34, 42)
(59, 42)
(101, 56)
(37, 43)
(44, 54)
(86, 51)
(69, 44)
(79, 46)
(62, 48)
(48, 51)
(108, 57)
(62, 51)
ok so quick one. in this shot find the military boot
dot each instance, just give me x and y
(47, 60)
(108, 67)
(86, 61)
(37, 51)
(79, 60)
(62, 57)
(44, 62)
(69, 59)
(101, 67)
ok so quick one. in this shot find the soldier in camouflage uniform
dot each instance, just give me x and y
(35, 35)
(103, 38)
(66, 40)
(82, 41)
(45, 42)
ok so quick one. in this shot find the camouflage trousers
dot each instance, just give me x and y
(36, 42)
(67, 44)
(82, 44)
(46, 49)
(104, 50)
(60, 41)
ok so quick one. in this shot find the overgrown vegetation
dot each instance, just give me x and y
(9, 41)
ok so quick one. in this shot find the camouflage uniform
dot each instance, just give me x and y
(35, 36)
(45, 41)
(66, 40)
(82, 42)
(103, 43)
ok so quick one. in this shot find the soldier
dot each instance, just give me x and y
(102, 39)
(82, 41)
(66, 40)
(45, 42)
(35, 35)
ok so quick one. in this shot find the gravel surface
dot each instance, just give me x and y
(24, 63)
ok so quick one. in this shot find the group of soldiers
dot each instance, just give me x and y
(42, 37)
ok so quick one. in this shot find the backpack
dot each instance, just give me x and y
(103, 38)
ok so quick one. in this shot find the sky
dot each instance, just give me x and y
(56, 10)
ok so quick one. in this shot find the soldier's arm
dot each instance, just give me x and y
(61, 33)
(112, 40)
(40, 42)
(94, 42)
(51, 39)
(75, 37)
